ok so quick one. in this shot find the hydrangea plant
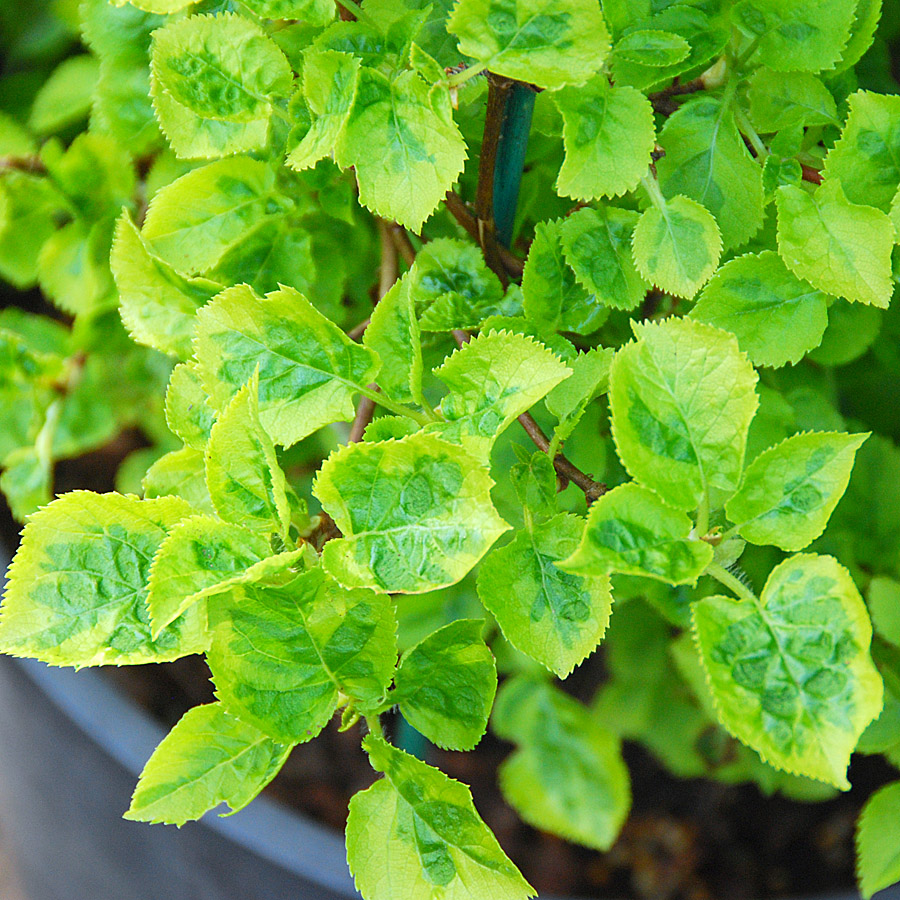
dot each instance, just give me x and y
(508, 243)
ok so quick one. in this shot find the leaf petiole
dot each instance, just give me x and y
(723, 576)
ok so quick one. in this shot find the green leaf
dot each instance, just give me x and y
(281, 656)
(188, 412)
(202, 217)
(544, 42)
(404, 144)
(314, 12)
(632, 531)
(648, 47)
(555, 617)
(393, 334)
(77, 591)
(682, 398)
(599, 120)
(553, 299)
(776, 317)
(493, 379)
(791, 673)
(790, 491)
(802, 35)
(866, 158)
(878, 857)
(245, 482)
(64, 99)
(569, 400)
(123, 107)
(330, 80)
(677, 246)
(445, 685)
(597, 246)
(837, 246)
(158, 306)
(26, 481)
(416, 514)
(160, 7)
(567, 776)
(208, 758)
(781, 100)
(862, 32)
(15, 139)
(706, 159)
(214, 80)
(415, 833)
(883, 595)
(181, 473)
(534, 481)
(309, 369)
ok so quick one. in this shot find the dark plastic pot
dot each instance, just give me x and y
(71, 747)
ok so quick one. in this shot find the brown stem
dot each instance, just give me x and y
(810, 174)
(344, 14)
(676, 89)
(402, 243)
(32, 164)
(364, 413)
(458, 209)
(357, 331)
(388, 270)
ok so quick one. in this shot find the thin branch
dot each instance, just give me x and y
(357, 331)
(365, 411)
(402, 243)
(810, 174)
(458, 209)
(388, 271)
(31, 164)
(676, 89)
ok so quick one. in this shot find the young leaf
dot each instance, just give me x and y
(534, 481)
(632, 531)
(866, 158)
(158, 305)
(245, 482)
(445, 685)
(214, 79)
(493, 379)
(64, 99)
(188, 413)
(682, 398)
(791, 673)
(598, 121)
(314, 12)
(415, 833)
(181, 473)
(706, 159)
(208, 758)
(77, 592)
(281, 656)
(404, 144)
(781, 100)
(648, 47)
(309, 369)
(567, 775)
(553, 299)
(677, 246)
(878, 856)
(549, 43)
(555, 617)
(569, 400)
(837, 246)
(790, 491)
(416, 514)
(776, 317)
(597, 246)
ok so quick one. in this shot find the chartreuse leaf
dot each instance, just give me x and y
(706, 159)
(330, 79)
(534, 480)
(159, 7)
(878, 855)
(791, 673)
(790, 491)
(567, 775)
(785, 99)
(837, 246)
(415, 833)
(26, 481)
(445, 685)
(213, 81)
(158, 305)
(315, 12)
(493, 379)
(181, 473)
(862, 32)
(555, 617)
(245, 482)
(309, 369)
(597, 246)
(416, 514)
(199, 218)
(281, 656)
(203, 556)
(676, 246)
(64, 99)
(404, 144)
(866, 158)
(682, 398)
(544, 42)
(796, 34)
(209, 757)
(569, 400)
(649, 47)
(632, 531)
(776, 317)
(188, 413)
(77, 595)
(552, 297)
(598, 121)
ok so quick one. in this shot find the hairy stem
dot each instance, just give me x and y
(734, 584)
